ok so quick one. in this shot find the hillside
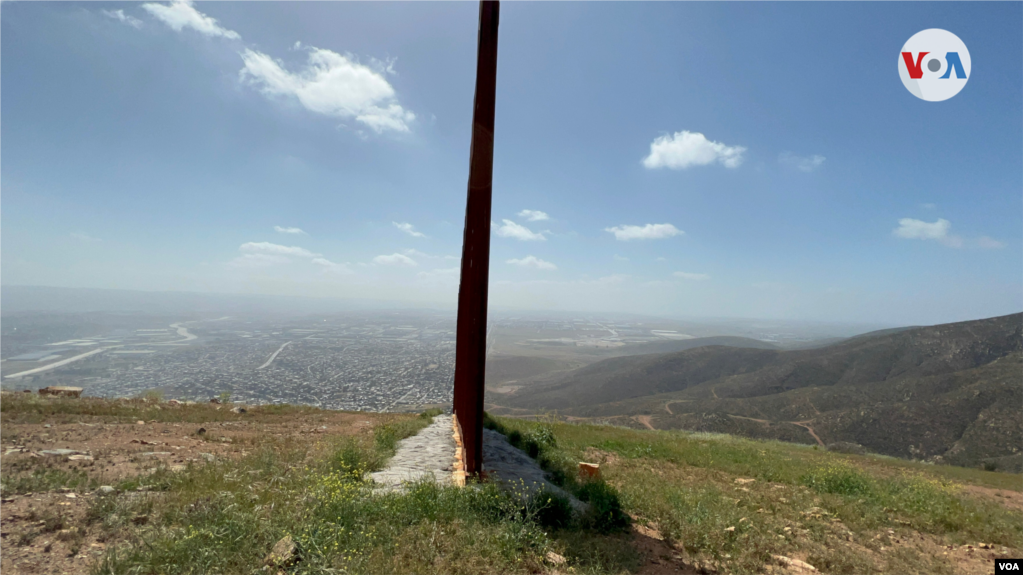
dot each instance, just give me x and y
(942, 392)
(147, 486)
(672, 346)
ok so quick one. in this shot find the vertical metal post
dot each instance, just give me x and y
(471, 345)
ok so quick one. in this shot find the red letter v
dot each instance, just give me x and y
(914, 69)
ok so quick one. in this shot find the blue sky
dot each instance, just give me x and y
(686, 159)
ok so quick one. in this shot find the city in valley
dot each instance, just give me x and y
(367, 361)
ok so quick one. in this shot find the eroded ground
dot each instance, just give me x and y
(45, 523)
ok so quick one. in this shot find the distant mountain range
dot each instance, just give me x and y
(947, 393)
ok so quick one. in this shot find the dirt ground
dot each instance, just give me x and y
(46, 533)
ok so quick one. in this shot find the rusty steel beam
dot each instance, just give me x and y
(471, 344)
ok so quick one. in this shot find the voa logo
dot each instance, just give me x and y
(1007, 566)
(934, 65)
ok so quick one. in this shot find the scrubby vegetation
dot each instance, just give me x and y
(730, 505)
(226, 515)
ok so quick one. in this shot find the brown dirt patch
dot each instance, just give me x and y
(601, 457)
(1010, 499)
(659, 558)
(645, 420)
(48, 532)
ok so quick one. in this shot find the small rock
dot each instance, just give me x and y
(730, 529)
(70, 496)
(556, 559)
(60, 452)
(238, 409)
(140, 422)
(743, 481)
(47, 426)
(80, 457)
(795, 565)
(105, 490)
(202, 431)
(283, 554)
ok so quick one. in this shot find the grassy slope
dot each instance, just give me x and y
(841, 513)
(224, 516)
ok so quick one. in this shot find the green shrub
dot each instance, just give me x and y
(429, 414)
(552, 510)
(838, 478)
(542, 435)
(515, 438)
(605, 513)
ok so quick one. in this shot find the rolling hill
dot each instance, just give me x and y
(948, 393)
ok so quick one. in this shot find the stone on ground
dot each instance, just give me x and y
(511, 468)
(428, 455)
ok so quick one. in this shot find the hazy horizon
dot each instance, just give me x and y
(54, 299)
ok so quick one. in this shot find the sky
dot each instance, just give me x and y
(679, 159)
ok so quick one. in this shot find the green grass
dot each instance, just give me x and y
(224, 517)
(836, 510)
(45, 479)
(723, 503)
(539, 441)
(22, 408)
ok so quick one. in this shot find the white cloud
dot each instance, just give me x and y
(409, 229)
(691, 276)
(120, 16)
(686, 149)
(801, 163)
(395, 260)
(533, 262)
(619, 258)
(534, 215)
(84, 237)
(181, 15)
(647, 232)
(257, 260)
(331, 267)
(276, 249)
(989, 243)
(284, 230)
(939, 231)
(512, 230)
(331, 84)
(920, 230)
